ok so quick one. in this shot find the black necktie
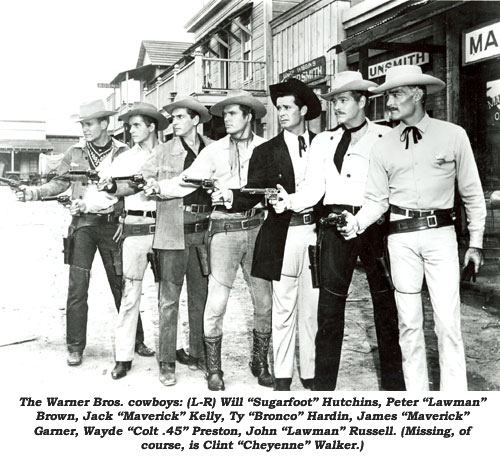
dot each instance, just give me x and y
(343, 145)
(302, 145)
(405, 135)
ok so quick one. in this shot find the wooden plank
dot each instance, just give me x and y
(221, 41)
(242, 27)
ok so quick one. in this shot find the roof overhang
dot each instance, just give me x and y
(26, 145)
(144, 73)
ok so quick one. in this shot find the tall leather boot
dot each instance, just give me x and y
(282, 384)
(259, 365)
(213, 349)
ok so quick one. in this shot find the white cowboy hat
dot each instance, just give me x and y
(348, 81)
(239, 96)
(92, 110)
(408, 75)
(185, 101)
(143, 108)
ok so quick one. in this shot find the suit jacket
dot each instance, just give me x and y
(270, 165)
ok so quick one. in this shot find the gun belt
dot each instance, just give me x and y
(198, 227)
(421, 223)
(339, 208)
(142, 213)
(229, 225)
(413, 213)
(97, 219)
(197, 208)
(138, 230)
(246, 214)
(303, 219)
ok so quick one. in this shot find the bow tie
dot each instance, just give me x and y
(405, 135)
(302, 145)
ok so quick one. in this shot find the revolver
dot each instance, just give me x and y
(89, 174)
(14, 184)
(270, 194)
(137, 179)
(337, 220)
(206, 184)
(63, 199)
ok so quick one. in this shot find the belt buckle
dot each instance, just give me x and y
(307, 219)
(431, 221)
(198, 227)
(152, 229)
(409, 213)
(245, 224)
(195, 208)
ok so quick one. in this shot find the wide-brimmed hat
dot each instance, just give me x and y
(348, 81)
(409, 75)
(143, 108)
(185, 101)
(239, 96)
(301, 90)
(92, 110)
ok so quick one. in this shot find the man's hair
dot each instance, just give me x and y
(246, 110)
(103, 118)
(424, 92)
(297, 99)
(192, 113)
(148, 121)
(356, 95)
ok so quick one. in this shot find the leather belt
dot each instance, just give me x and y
(225, 225)
(303, 219)
(246, 214)
(197, 227)
(338, 208)
(197, 208)
(412, 213)
(138, 230)
(420, 223)
(142, 213)
(99, 218)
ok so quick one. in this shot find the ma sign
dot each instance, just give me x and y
(481, 43)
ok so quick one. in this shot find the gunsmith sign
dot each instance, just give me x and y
(307, 72)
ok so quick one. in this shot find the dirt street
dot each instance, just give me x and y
(32, 329)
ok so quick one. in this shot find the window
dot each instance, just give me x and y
(376, 109)
(207, 71)
(246, 47)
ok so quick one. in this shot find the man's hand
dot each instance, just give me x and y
(152, 187)
(26, 193)
(350, 230)
(222, 195)
(283, 201)
(476, 256)
(77, 207)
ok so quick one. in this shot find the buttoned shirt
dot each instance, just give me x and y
(299, 159)
(212, 163)
(128, 163)
(322, 176)
(423, 176)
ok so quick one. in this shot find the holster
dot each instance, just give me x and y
(314, 266)
(383, 265)
(117, 261)
(154, 262)
(202, 251)
(68, 249)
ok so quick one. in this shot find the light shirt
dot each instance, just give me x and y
(299, 162)
(423, 176)
(322, 176)
(128, 163)
(213, 162)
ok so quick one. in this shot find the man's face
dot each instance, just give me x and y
(139, 130)
(182, 123)
(93, 129)
(401, 103)
(346, 107)
(234, 119)
(290, 115)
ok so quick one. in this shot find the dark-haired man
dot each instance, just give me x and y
(88, 232)
(338, 170)
(281, 248)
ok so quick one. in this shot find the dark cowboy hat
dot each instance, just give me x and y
(143, 108)
(301, 90)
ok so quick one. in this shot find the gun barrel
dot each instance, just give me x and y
(10, 182)
(254, 190)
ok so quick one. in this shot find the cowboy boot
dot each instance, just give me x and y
(213, 349)
(282, 384)
(258, 365)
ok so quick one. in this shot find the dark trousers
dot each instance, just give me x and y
(86, 241)
(174, 265)
(338, 260)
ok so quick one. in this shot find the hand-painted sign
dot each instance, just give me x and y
(481, 43)
(310, 71)
(380, 69)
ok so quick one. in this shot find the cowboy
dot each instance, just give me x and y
(337, 170)
(88, 232)
(144, 122)
(231, 234)
(281, 248)
(412, 173)
(181, 226)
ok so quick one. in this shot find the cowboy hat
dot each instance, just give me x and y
(92, 110)
(301, 90)
(185, 101)
(241, 97)
(143, 108)
(348, 81)
(408, 75)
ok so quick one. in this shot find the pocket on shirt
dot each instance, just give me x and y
(447, 156)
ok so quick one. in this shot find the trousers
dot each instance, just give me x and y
(338, 260)
(295, 306)
(432, 253)
(86, 241)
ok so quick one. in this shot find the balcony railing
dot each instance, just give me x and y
(209, 75)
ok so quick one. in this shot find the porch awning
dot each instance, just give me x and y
(36, 146)
(144, 73)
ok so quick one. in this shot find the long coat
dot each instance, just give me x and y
(270, 165)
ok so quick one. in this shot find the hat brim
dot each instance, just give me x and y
(93, 116)
(356, 85)
(202, 111)
(433, 84)
(257, 106)
(162, 121)
(306, 94)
